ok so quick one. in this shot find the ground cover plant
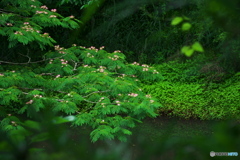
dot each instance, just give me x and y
(196, 89)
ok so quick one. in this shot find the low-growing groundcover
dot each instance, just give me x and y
(197, 88)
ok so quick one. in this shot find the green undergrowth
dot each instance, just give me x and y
(198, 88)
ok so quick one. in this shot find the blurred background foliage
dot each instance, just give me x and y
(51, 138)
(142, 30)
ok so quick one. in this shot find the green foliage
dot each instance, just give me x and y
(25, 27)
(47, 140)
(188, 50)
(99, 88)
(188, 93)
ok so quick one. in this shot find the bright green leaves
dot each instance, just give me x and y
(102, 132)
(24, 24)
(96, 91)
(197, 47)
(189, 50)
(9, 95)
(100, 88)
(176, 20)
(185, 25)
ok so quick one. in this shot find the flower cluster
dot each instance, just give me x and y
(133, 94)
(117, 51)
(114, 58)
(60, 50)
(1, 74)
(92, 48)
(122, 76)
(103, 105)
(58, 76)
(118, 103)
(44, 7)
(27, 27)
(18, 32)
(29, 102)
(151, 101)
(155, 72)
(57, 48)
(145, 69)
(35, 96)
(101, 48)
(40, 12)
(51, 60)
(33, 6)
(52, 16)
(90, 55)
(64, 62)
(101, 69)
(69, 94)
(54, 10)
(135, 63)
(144, 65)
(14, 123)
(71, 16)
(148, 96)
(9, 24)
(45, 35)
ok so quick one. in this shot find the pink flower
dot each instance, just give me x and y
(151, 101)
(52, 16)
(29, 102)
(54, 10)
(44, 7)
(9, 24)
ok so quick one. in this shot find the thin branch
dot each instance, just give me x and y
(96, 92)
(29, 60)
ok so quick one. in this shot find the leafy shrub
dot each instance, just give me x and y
(99, 88)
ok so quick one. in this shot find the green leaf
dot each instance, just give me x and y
(176, 21)
(197, 47)
(186, 26)
(32, 124)
(40, 137)
(187, 51)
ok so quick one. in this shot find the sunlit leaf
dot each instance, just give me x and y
(186, 26)
(176, 20)
(197, 47)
